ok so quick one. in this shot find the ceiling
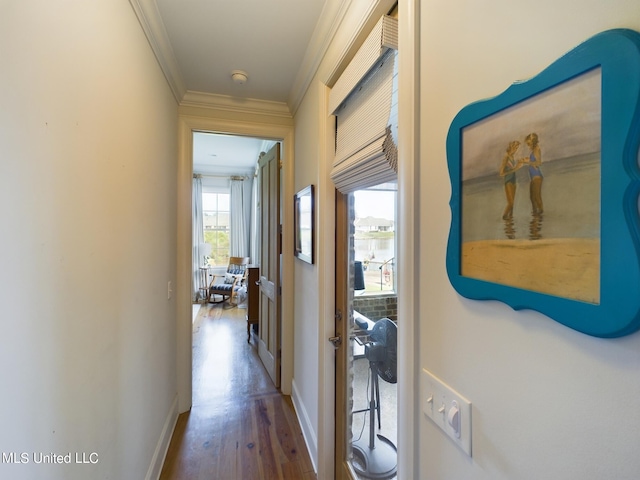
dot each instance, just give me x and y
(266, 39)
(199, 43)
(216, 154)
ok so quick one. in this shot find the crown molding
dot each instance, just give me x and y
(154, 29)
(235, 104)
(331, 17)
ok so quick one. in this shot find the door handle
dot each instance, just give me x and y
(336, 341)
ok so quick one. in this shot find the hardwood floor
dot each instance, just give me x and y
(240, 426)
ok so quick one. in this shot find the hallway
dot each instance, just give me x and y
(240, 426)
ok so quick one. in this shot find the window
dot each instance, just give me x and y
(374, 239)
(215, 207)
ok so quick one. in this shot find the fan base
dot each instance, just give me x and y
(379, 462)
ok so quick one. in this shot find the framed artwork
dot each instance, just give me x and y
(545, 186)
(303, 221)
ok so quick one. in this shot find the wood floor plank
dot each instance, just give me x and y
(240, 426)
(249, 459)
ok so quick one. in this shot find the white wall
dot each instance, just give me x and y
(88, 144)
(306, 289)
(548, 402)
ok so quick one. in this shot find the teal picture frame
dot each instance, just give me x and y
(586, 238)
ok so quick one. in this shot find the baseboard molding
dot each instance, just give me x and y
(155, 468)
(308, 433)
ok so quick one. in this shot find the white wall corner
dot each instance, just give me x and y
(156, 33)
(160, 453)
(309, 435)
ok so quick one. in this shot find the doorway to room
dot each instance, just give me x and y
(187, 127)
(236, 215)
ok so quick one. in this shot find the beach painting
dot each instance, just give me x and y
(530, 193)
(545, 190)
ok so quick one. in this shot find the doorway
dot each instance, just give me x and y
(367, 375)
(408, 256)
(276, 131)
(236, 214)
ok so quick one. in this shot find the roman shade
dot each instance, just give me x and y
(365, 102)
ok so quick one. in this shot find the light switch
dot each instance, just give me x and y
(453, 417)
(449, 410)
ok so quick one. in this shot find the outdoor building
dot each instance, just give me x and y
(372, 224)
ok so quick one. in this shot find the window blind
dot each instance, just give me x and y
(383, 37)
(367, 115)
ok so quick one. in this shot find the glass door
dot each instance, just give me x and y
(367, 367)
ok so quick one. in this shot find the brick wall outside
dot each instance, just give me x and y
(376, 307)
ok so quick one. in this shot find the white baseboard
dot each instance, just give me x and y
(308, 433)
(155, 468)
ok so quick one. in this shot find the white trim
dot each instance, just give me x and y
(248, 126)
(408, 246)
(225, 103)
(184, 329)
(306, 426)
(151, 22)
(160, 453)
(156, 33)
(326, 292)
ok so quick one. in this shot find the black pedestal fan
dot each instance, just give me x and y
(378, 459)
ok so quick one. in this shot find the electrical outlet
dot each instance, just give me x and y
(449, 410)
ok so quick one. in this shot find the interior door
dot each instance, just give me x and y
(269, 304)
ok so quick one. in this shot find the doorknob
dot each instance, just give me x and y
(336, 341)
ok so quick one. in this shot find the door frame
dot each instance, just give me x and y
(281, 129)
(410, 309)
(342, 469)
(408, 255)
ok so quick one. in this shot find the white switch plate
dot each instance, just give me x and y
(437, 400)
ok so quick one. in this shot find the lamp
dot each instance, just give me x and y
(358, 277)
(205, 250)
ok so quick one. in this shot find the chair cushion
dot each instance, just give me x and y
(230, 277)
(221, 287)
